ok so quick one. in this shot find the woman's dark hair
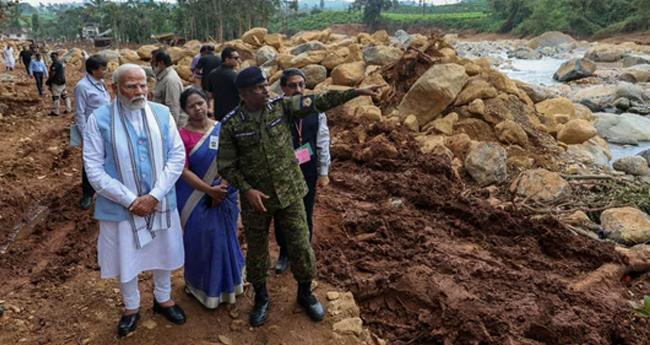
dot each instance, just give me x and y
(189, 92)
(95, 62)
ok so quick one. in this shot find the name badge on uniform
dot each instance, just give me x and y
(303, 153)
(214, 142)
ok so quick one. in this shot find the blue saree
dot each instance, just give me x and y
(214, 263)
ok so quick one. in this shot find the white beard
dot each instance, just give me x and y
(134, 103)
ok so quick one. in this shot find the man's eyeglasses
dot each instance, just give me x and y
(296, 85)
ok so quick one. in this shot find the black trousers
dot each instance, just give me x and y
(309, 200)
(38, 76)
(85, 184)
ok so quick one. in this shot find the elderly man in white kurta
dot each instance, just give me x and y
(133, 156)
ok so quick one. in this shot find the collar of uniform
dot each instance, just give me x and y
(162, 74)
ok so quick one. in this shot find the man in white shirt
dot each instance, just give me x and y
(133, 156)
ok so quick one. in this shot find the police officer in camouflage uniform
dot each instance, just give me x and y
(256, 156)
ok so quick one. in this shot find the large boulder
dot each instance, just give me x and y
(445, 125)
(144, 52)
(605, 53)
(596, 97)
(315, 75)
(487, 163)
(636, 74)
(633, 165)
(178, 53)
(525, 53)
(349, 74)
(576, 131)
(575, 69)
(590, 152)
(540, 185)
(381, 55)
(129, 56)
(630, 60)
(274, 40)
(551, 39)
(535, 92)
(110, 55)
(633, 92)
(308, 46)
(308, 58)
(557, 105)
(266, 54)
(625, 128)
(434, 91)
(255, 36)
(476, 88)
(510, 132)
(626, 225)
(335, 58)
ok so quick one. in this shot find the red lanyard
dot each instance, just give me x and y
(299, 129)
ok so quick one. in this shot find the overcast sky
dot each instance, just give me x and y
(36, 2)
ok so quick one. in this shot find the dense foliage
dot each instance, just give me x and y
(578, 17)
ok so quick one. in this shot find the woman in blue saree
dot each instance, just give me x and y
(214, 264)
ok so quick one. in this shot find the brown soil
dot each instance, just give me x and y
(51, 291)
(431, 266)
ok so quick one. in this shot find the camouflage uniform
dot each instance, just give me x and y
(257, 152)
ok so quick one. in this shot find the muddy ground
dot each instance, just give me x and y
(427, 263)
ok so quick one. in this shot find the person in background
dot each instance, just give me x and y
(214, 262)
(221, 83)
(168, 85)
(10, 59)
(90, 93)
(207, 63)
(133, 156)
(38, 70)
(26, 57)
(310, 132)
(56, 83)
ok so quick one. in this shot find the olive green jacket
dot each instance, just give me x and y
(258, 152)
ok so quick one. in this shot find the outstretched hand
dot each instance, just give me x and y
(372, 90)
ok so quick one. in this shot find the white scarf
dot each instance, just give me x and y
(144, 228)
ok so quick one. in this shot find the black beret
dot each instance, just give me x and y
(250, 76)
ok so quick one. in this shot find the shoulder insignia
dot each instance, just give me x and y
(306, 101)
(230, 115)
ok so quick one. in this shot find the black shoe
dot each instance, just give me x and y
(86, 202)
(128, 324)
(282, 264)
(260, 311)
(309, 303)
(174, 313)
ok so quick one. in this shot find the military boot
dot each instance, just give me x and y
(308, 301)
(260, 311)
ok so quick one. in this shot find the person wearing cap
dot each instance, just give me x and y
(257, 157)
(312, 132)
(56, 83)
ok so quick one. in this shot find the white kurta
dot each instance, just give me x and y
(10, 60)
(117, 252)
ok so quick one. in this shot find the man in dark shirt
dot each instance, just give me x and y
(221, 83)
(207, 63)
(56, 82)
(26, 58)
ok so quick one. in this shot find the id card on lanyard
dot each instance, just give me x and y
(304, 152)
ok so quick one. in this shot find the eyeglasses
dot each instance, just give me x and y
(296, 85)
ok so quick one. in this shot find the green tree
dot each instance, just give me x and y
(36, 25)
(371, 10)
